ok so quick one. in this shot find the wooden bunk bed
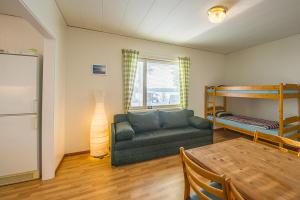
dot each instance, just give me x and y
(288, 127)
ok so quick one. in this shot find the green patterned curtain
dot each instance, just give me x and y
(130, 58)
(184, 74)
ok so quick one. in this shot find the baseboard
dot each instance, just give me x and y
(20, 177)
(77, 153)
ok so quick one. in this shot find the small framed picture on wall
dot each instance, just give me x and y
(99, 69)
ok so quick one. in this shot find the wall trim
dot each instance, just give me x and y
(76, 153)
(148, 40)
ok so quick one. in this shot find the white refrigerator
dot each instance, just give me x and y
(19, 118)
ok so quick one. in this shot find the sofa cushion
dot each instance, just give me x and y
(124, 131)
(173, 119)
(144, 121)
(163, 136)
(199, 122)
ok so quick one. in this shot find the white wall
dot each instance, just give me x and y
(89, 47)
(53, 124)
(18, 35)
(266, 64)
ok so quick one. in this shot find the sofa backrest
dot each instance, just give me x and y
(120, 118)
(190, 113)
(123, 117)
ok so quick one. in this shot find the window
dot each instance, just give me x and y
(156, 84)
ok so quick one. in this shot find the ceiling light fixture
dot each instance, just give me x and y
(217, 14)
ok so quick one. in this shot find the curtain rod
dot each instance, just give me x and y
(158, 59)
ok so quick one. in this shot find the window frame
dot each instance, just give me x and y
(145, 67)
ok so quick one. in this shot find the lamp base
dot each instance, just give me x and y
(101, 156)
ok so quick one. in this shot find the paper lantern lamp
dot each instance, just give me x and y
(99, 128)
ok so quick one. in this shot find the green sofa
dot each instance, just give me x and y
(143, 136)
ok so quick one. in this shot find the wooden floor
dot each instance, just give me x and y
(86, 178)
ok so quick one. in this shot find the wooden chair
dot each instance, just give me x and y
(193, 176)
(233, 194)
(281, 143)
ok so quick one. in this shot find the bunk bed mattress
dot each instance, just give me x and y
(249, 127)
(255, 91)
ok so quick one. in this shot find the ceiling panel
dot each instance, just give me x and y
(113, 12)
(134, 15)
(185, 22)
(157, 15)
(85, 14)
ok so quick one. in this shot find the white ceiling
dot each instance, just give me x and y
(16, 8)
(185, 22)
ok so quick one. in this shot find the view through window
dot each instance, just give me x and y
(156, 84)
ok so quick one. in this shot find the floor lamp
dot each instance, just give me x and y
(99, 128)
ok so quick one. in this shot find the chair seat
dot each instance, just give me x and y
(213, 197)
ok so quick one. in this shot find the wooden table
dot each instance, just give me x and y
(259, 172)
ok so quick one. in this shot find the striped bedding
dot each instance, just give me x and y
(259, 123)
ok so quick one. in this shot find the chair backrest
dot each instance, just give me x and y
(284, 144)
(233, 193)
(192, 171)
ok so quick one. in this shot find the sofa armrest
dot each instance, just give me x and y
(123, 131)
(200, 123)
(113, 137)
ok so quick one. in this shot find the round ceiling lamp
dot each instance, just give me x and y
(217, 14)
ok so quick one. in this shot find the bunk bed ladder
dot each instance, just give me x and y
(290, 124)
(210, 104)
(206, 102)
(281, 109)
(214, 107)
